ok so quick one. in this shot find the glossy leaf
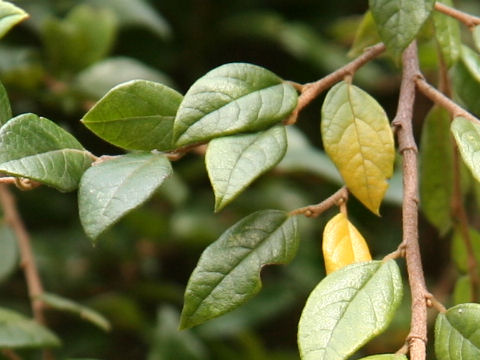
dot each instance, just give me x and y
(137, 115)
(342, 244)
(230, 99)
(367, 35)
(67, 305)
(35, 148)
(385, 357)
(234, 162)
(348, 308)
(18, 331)
(436, 157)
(457, 336)
(459, 251)
(466, 79)
(357, 137)
(476, 36)
(467, 137)
(228, 272)
(399, 22)
(10, 15)
(447, 33)
(9, 254)
(112, 188)
(5, 110)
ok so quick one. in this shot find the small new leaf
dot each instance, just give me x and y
(136, 115)
(228, 272)
(114, 187)
(467, 137)
(36, 148)
(348, 308)
(234, 162)
(357, 137)
(456, 333)
(10, 15)
(343, 244)
(230, 99)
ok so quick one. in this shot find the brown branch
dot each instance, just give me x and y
(433, 302)
(469, 20)
(417, 337)
(310, 91)
(10, 354)
(338, 198)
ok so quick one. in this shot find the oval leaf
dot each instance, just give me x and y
(17, 331)
(137, 115)
(230, 99)
(457, 333)
(35, 148)
(5, 109)
(343, 244)
(114, 187)
(459, 252)
(10, 15)
(348, 308)
(62, 304)
(436, 157)
(228, 272)
(366, 35)
(447, 33)
(357, 136)
(9, 254)
(234, 162)
(466, 79)
(467, 137)
(399, 22)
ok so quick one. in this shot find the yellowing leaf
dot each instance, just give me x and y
(357, 137)
(343, 244)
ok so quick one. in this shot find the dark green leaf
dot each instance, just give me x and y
(234, 162)
(459, 250)
(348, 308)
(17, 331)
(399, 22)
(457, 335)
(367, 35)
(10, 15)
(466, 79)
(9, 254)
(62, 304)
(137, 115)
(230, 99)
(467, 137)
(5, 110)
(35, 148)
(228, 272)
(436, 157)
(447, 32)
(112, 188)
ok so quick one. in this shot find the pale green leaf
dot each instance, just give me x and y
(436, 157)
(462, 292)
(399, 21)
(357, 137)
(459, 251)
(234, 162)
(36, 148)
(10, 15)
(228, 272)
(367, 35)
(447, 33)
(9, 254)
(137, 115)
(457, 334)
(230, 99)
(18, 331)
(67, 305)
(385, 357)
(476, 36)
(5, 110)
(348, 308)
(114, 187)
(467, 137)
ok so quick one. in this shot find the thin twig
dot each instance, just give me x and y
(338, 198)
(310, 91)
(417, 337)
(469, 20)
(8, 180)
(10, 354)
(433, 302)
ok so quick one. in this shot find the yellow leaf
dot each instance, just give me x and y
(343, 244)
(357, 137)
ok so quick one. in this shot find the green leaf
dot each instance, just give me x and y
(35, 148)
(467, 137)
(10, 15)
(114, 187)
(230, 99)
(96, 80)
(466, 79)
(348, 308)
(17, 331)
(67, 305)
(385, 357)
(457, 335)
(367, 35)
(137, 115)
(459, 251)
(476, 36)
(9, 254)
(462, 292)
(5, 109)
(357, 137)
(234, 162)
(447, 33)
(228, 272)
(399, 22)
(436, 157)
